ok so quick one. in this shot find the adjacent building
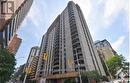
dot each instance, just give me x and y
(33, 52)
(33, 65)
(105, 52)
(68, 48)
(104, 49)
(12, 13)
(32, 62)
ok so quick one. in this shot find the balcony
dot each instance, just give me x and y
(72, 34)
(80, 56)
(76, 45)
(56, 63)
(56, 59)
(76, 40)
(82, 68)
(56, 68)
(55, 72)
(75, 32)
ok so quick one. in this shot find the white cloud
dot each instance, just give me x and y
(117, 44)
(36, 14)
(112, 8)
(33, 15)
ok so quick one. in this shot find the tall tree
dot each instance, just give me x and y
(7, 65)
(115, 63)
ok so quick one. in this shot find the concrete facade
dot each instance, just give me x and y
(33, 65)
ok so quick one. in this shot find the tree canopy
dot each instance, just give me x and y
(7, 65)
(115, 63)
(91, 76)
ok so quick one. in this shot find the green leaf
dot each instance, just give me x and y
(7, 65)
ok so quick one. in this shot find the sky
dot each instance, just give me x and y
(106, 19)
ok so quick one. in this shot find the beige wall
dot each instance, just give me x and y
(5, 17)
(14, 44)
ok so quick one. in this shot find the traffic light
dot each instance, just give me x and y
(28, 70)
(69, 61)
(45, 56)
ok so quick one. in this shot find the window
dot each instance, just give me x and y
(79, 50)
(64, 53)
(64, 49)
(75, 62)
(40, 72)
(82, 68)
(74, 51)
(75, 58)
(81, 62)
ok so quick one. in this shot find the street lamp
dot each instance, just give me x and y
(79, 73)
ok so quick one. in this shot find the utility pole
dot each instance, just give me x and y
(79, 73)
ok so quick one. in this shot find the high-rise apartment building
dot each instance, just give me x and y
(12, 13)
(33, 66)
(69, 48)
(104, 49)
(31, 63)
(33, 52)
